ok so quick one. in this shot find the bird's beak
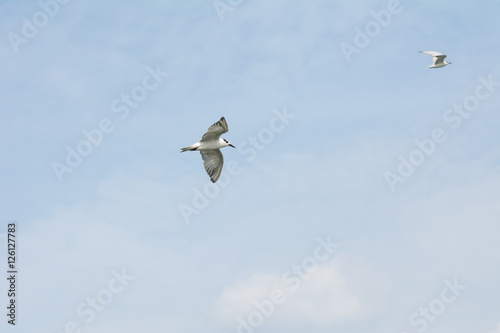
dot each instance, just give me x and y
(232, 146)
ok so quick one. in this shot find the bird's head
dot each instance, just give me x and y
(226, 143)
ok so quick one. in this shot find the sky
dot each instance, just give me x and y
(362, 195)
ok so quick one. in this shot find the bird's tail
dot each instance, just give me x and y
(190, 148)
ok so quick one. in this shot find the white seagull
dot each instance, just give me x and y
(209, 148)
(437, 58)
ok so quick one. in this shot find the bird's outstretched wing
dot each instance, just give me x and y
(437, 57)
(216, 130)
(431, 53)
(213, 161)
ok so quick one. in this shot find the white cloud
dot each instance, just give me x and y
(340, 291)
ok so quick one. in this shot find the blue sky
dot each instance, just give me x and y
(316, 133)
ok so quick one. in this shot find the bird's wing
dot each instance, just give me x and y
(438, 59)
(216, 130)
(213, 161)
(431, 53)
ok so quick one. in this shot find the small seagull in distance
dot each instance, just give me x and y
(209, 146)
(437, 58)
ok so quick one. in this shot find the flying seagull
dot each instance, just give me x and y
(437, 58)
(209, 148)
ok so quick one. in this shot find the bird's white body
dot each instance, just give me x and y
(209, 146)
(439, 65)
(437, 59)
